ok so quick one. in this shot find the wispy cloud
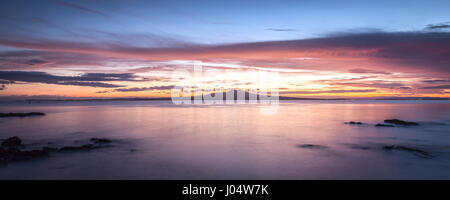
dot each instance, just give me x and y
(438, 27)
(82, 8)
(367, 71)
(437, 87)
(327, 91)
(88, 79)
(281, 29)
(139, 89)
(436, 81)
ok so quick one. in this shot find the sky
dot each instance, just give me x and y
(326, 49)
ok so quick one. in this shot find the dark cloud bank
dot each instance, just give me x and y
(88, 79)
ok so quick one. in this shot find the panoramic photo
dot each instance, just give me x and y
(224, 90)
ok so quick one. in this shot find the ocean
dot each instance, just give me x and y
(302, 140)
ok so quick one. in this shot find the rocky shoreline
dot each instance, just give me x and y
(387, 123)
(11, 149)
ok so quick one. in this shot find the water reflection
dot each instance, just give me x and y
(234, 141)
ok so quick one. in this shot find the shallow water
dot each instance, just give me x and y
(159, 140)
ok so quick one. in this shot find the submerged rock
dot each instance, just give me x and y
(400, 122)
(384, 125)
(95, 144)
(12, 142)
(354, 123)
(100, 140)
(3, 155)
(49, 149)
(78, 148)
(21, 114)
(133, 150)
(10, 152)
(33, 154)
(416, 151)
(357, 146)
(312, 146)
(14, 154)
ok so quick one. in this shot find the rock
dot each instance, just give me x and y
(95, 144)
(49, 149)
(78, 148)
(354, 123)
(100, 140)
(357, 146)
(384, 125)
(21, 114)
(312, 146)
(418, 152)
(34, 154)
(3, 155)
(400, 122)
(14, 154)
(12, 142)
(10, 151)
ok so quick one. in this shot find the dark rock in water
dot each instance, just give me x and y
(417, 152)
(78, 148)
(357, 146)
(312, 146)
(14, 154)
(354, 123)
(100, 140)
(34, 154)
(21, 114)
(400, 122)
(384, 125)
(95, 144)
(49, 149)
(3, 155)
(10, 152)
(12, 142)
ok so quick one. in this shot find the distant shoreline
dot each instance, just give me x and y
(281, 99)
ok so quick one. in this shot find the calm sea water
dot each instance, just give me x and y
(159, 140)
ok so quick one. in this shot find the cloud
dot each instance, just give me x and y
(139, 89)
(439, 26)
(2, 87)
(281, 29)
(103, 92)
(398, 51)
(34, 59)
(82, 8)
(436, 81)
(372, 84)
(39, 97)
(362, 82)
(5, 82)
(437, 87)
(90, 84)
(327, 91)
(35, 62)
(88, 79)
(367, 71)
(108, 77)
